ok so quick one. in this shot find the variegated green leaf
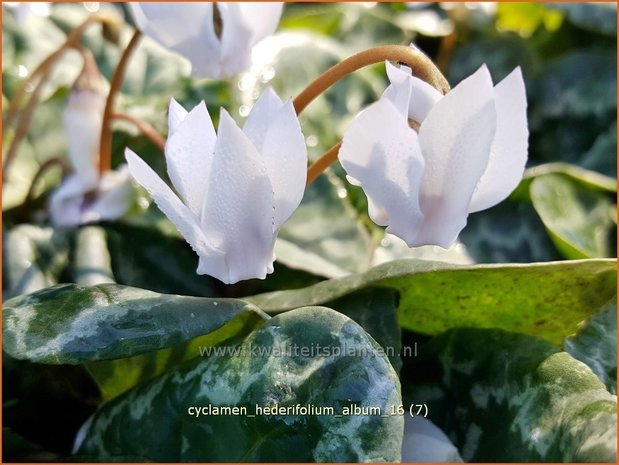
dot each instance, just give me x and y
(375, 310)
(545, 299)
(73, 324)
(595, 344)
(119, 375)
(265, 371)
(507, 397)
(584, 177)
(579, 220)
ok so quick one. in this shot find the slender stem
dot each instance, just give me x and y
(42, 170)
(143, 127)
(22, 128)
(419, 63)
(105, 144)
(316, 168)
(41, 72)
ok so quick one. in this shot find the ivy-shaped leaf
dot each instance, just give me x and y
(265, 370)
(71, 324)
(544, 299)
(507, 397)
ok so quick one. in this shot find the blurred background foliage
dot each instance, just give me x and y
(565, 208)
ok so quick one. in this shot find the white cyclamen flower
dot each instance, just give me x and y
(23, 11)
(84, 197)
(426, 160)
(236, 187)
(76, 202)
(216, 37)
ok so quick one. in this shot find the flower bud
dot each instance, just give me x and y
(83, 117)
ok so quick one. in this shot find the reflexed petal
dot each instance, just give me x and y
(176, 115)
(66, 200)
(237, 216)
(262, 16)
(206, 53)
(397, 74)
(114, 196)
(235, 40)
(261, 117)
(353, 181)
(185, 27)
(508, 155)
(184, 220)
(399, 92)
(189, 155)
(379, 215)
(455, 140)
(285, 157)
(381, 151)
(421, 95)
(423, 98)
(170, 23)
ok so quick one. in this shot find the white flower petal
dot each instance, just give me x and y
(66, 200)
(508, 155)
(82, 120)
(377, 214)
(285, 157)
(263, 17)
(189, 155)
(113, 196)
(424, 442)
(396, 74)
(184, 220)
(353, 181)
(421, 95)
(176, 115)
(423, 98)
(399, 92)
(238, 212)
(185, 27)
(236, 39)
(455, 140)
(381, 151)
(261, 116)
(171, 24)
